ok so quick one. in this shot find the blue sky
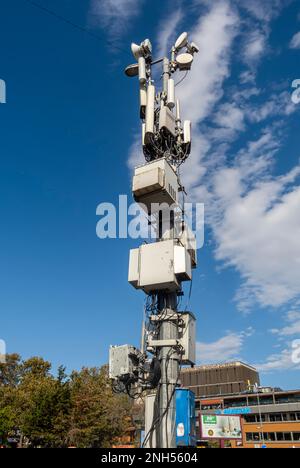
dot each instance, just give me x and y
(69, 140)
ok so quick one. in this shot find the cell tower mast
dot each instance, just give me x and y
(160, 267)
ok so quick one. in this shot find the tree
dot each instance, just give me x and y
(36, 368)
(10, 370)
(55, 411)
(8, 412)
(98, 416)
(45, 403)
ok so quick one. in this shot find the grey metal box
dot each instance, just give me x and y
(133, 271)
(150, 416)
(188, 240)
(167, 121)
(155, 183)
(120, 362)
(187, 337)
(182, 263)
(157, 266)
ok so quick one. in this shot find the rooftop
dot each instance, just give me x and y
(219, 366)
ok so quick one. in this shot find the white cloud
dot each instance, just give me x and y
(295, 42)
(274, 106)
(136, 156)
(264, 10)
(214, 33)
(247, 76)
(281, 361)
(168, 32)
(255, 45)
(225, 349)
(114, 15)
(258, 232)
(230, 116)
(289, 357)
(257, 28)
(293, 325)
(253, 215)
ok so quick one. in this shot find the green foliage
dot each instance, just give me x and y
(98, 416)
(10, 372)
(57, 411)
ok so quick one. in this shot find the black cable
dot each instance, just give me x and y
(76, 26)
(180, 81)
(190, 294)
(156, 422)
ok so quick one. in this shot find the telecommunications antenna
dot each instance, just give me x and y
(181, 41)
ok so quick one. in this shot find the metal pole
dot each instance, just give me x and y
(261, 433)
(163, 140)
(166, 74)
(169, 360)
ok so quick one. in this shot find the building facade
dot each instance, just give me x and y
(223, 379)
(270, 418)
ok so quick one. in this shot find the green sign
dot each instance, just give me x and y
(210, 419)
(221, 427)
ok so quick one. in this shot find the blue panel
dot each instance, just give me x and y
(185, 418)
(234, 411)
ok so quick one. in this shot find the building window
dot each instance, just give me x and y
(250, 418)
(275, 417)
(253, 437)
(288, 398)
(273, 437)
(270, 436)
(235, 403)
(260, 400)
(284, 436)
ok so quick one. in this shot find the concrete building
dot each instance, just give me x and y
(270, 417)
(222, 379)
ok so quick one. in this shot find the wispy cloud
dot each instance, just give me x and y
(252, 213)
(281, 361)
(214, 32)
(258, 230)
(225, 349)
(266, 10)
(295, 42)
(257, 28)
(136, 156)
(293, 325)
(114, 15)
(255, 46)
(168, 31)
(289, 356)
